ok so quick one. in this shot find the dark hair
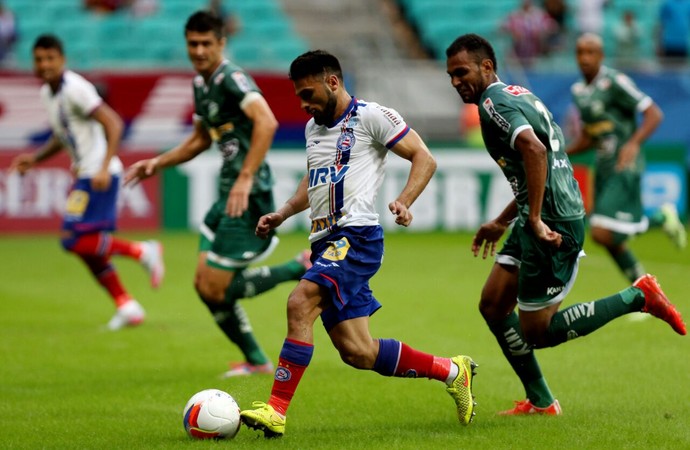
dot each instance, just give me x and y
(203, 22)
(315, 62)
(473, 43)
(49, 41)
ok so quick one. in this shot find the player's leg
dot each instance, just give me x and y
(250, 282)
(305, 304)
(497, 306)
(148, 253)
(89, 214)
(211, 284)
(95, 224)
(617, 215)
(667, 218)
(540, 295)
(615, 245)
(390, 357)
(253, 281)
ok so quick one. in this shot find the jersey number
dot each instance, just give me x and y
(555, 143)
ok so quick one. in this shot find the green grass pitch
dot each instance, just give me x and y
(66, 383)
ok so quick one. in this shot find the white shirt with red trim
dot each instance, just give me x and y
(69, 113)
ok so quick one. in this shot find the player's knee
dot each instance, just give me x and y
(536, 337)
(209, 292)
(493, 310)
(68, 242)
(359, 357)
(601, 236)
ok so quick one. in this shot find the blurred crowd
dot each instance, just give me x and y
(540, 28)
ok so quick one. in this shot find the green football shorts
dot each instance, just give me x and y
(231, 242)
(546, 274)
(618, 203)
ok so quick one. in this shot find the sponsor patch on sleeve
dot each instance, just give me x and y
(502, 123)
(242, 81)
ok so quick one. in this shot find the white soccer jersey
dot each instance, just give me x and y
(346, 164)
(69, 114)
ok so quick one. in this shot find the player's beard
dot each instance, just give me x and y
(327, 116)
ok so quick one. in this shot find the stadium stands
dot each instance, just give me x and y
(438, 22)
(267, 39)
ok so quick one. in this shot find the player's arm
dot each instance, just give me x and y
(536, 168)
(25, 161)
(651, 118)
(412, 148)
(582, 143)
(489, 233)
(113, 128)
(264, 128)
(198, 141)
(295, 205)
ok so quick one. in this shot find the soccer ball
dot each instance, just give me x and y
(211, 414)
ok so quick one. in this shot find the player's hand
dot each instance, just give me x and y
(238, 198)
(487, 237)
(141, 170)
(627, 156)
(101, 181)
(545, 234)
(268, 222)
(22, 163)
(403, 215)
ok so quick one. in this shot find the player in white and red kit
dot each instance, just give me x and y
(90, 131)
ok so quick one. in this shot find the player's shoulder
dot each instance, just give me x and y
(501, 96)
(374, 111)
(73, 80)
(501, 93)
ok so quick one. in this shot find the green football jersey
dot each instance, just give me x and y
(217, 104)
(504, 112)
(608, 109)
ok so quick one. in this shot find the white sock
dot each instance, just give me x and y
(454, 371)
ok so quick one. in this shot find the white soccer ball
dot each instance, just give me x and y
(211, 414)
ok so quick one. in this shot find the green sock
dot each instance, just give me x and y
(628, 264)
(235, 324)
(657, 219)
(583, 318)
(251, 282)
(521, 357)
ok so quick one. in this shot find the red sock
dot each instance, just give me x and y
(293, 361)
(103, 244)
(124, 247)
(105, 274)
(421, 364)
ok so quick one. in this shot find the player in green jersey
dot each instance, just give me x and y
(537, 266)
(608, 102)
(230, 111)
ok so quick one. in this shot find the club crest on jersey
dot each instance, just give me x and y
(502, 123)
(213, 109)
(337, 251)
(346, 140)
(516, 90)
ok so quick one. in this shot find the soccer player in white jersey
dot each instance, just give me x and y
(347, 142)
(90, 131)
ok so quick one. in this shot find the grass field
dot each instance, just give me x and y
(66, 383)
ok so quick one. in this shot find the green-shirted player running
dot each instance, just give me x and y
(230, 111)
(608, 102)
(537, 266)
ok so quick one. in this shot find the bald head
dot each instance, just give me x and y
(589, 51)
(591, 39)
